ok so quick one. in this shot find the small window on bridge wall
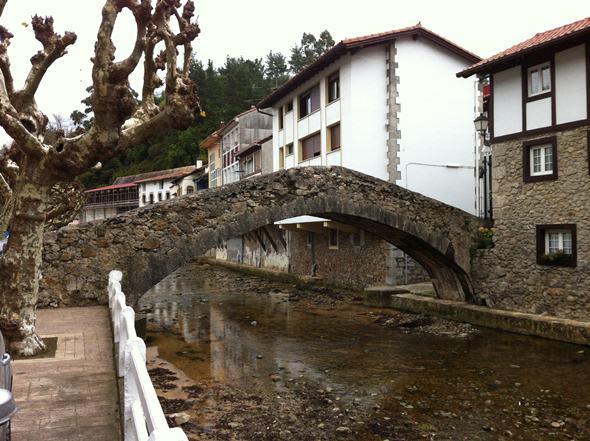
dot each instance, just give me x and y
(333, 240)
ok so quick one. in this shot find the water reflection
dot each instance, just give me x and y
(241, 338)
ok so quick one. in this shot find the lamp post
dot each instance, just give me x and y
(481, 127)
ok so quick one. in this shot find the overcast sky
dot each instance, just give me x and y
(253, 28)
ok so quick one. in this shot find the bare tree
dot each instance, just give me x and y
(30, 166)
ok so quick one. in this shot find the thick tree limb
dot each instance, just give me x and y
(14, 128)
(66, 200)
(2, 5)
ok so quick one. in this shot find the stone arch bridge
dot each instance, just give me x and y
(149, 243)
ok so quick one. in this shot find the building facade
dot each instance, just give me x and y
(256, 159)
(133, 191)
(168, 184)
(241, 132)
(364, 105)
(540, 142)
(374, 104)
(212, 145)
(109, 201)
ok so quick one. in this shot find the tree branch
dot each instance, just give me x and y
(188, 32)
(2, 5)
(142, 13)
(5, 37)
(111, 99)
(5, 190)
(54, 47)
(10, 122)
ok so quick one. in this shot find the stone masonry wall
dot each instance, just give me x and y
(369, 262)
(508, 274)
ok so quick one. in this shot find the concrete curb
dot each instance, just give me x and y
(554, 328)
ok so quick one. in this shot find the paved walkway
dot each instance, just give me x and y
(74, 395)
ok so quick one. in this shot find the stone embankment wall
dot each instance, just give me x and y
(508, 275)
(151, 242)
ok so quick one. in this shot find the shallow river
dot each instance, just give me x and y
(484, 385)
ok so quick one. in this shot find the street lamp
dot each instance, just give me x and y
(481, 127)
(481, 124)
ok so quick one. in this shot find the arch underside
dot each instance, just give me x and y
(434, 250)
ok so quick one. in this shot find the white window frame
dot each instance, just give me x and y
(539, 68)
(544, 148)
(560, 237)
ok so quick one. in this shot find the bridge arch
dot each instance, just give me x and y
(149, 243)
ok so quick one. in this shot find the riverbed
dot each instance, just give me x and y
(244, 358)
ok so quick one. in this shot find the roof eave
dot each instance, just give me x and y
(510, 59)
(343, 47)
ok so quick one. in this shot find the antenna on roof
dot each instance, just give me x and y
(419, 23)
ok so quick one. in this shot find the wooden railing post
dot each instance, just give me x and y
(144, 419)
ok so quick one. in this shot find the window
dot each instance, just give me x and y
(281, 158)
(333, 87)
(309, 239)
(161, 185)
(289, 107)
(333, 239)
(539, 79)
(281, 118)
(159, 197)
(212, 160)
(540, 160)
(289, 149)
(334, 137)
(151, 198)
(309, 102)
(167, 195)
(357, 238)
(143, 198)
(248, 165)
(190, 189)
(556, 245)
(310, 147)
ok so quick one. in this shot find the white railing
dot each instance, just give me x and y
(144, 418)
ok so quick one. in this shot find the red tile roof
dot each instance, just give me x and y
(360, 42)
(169, 175)
(539, 41)
(111, 187)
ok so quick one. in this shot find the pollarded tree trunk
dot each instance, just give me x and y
(22, 262)
(32, 165)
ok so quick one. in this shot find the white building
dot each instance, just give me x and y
(388, 105)
(172, 183)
